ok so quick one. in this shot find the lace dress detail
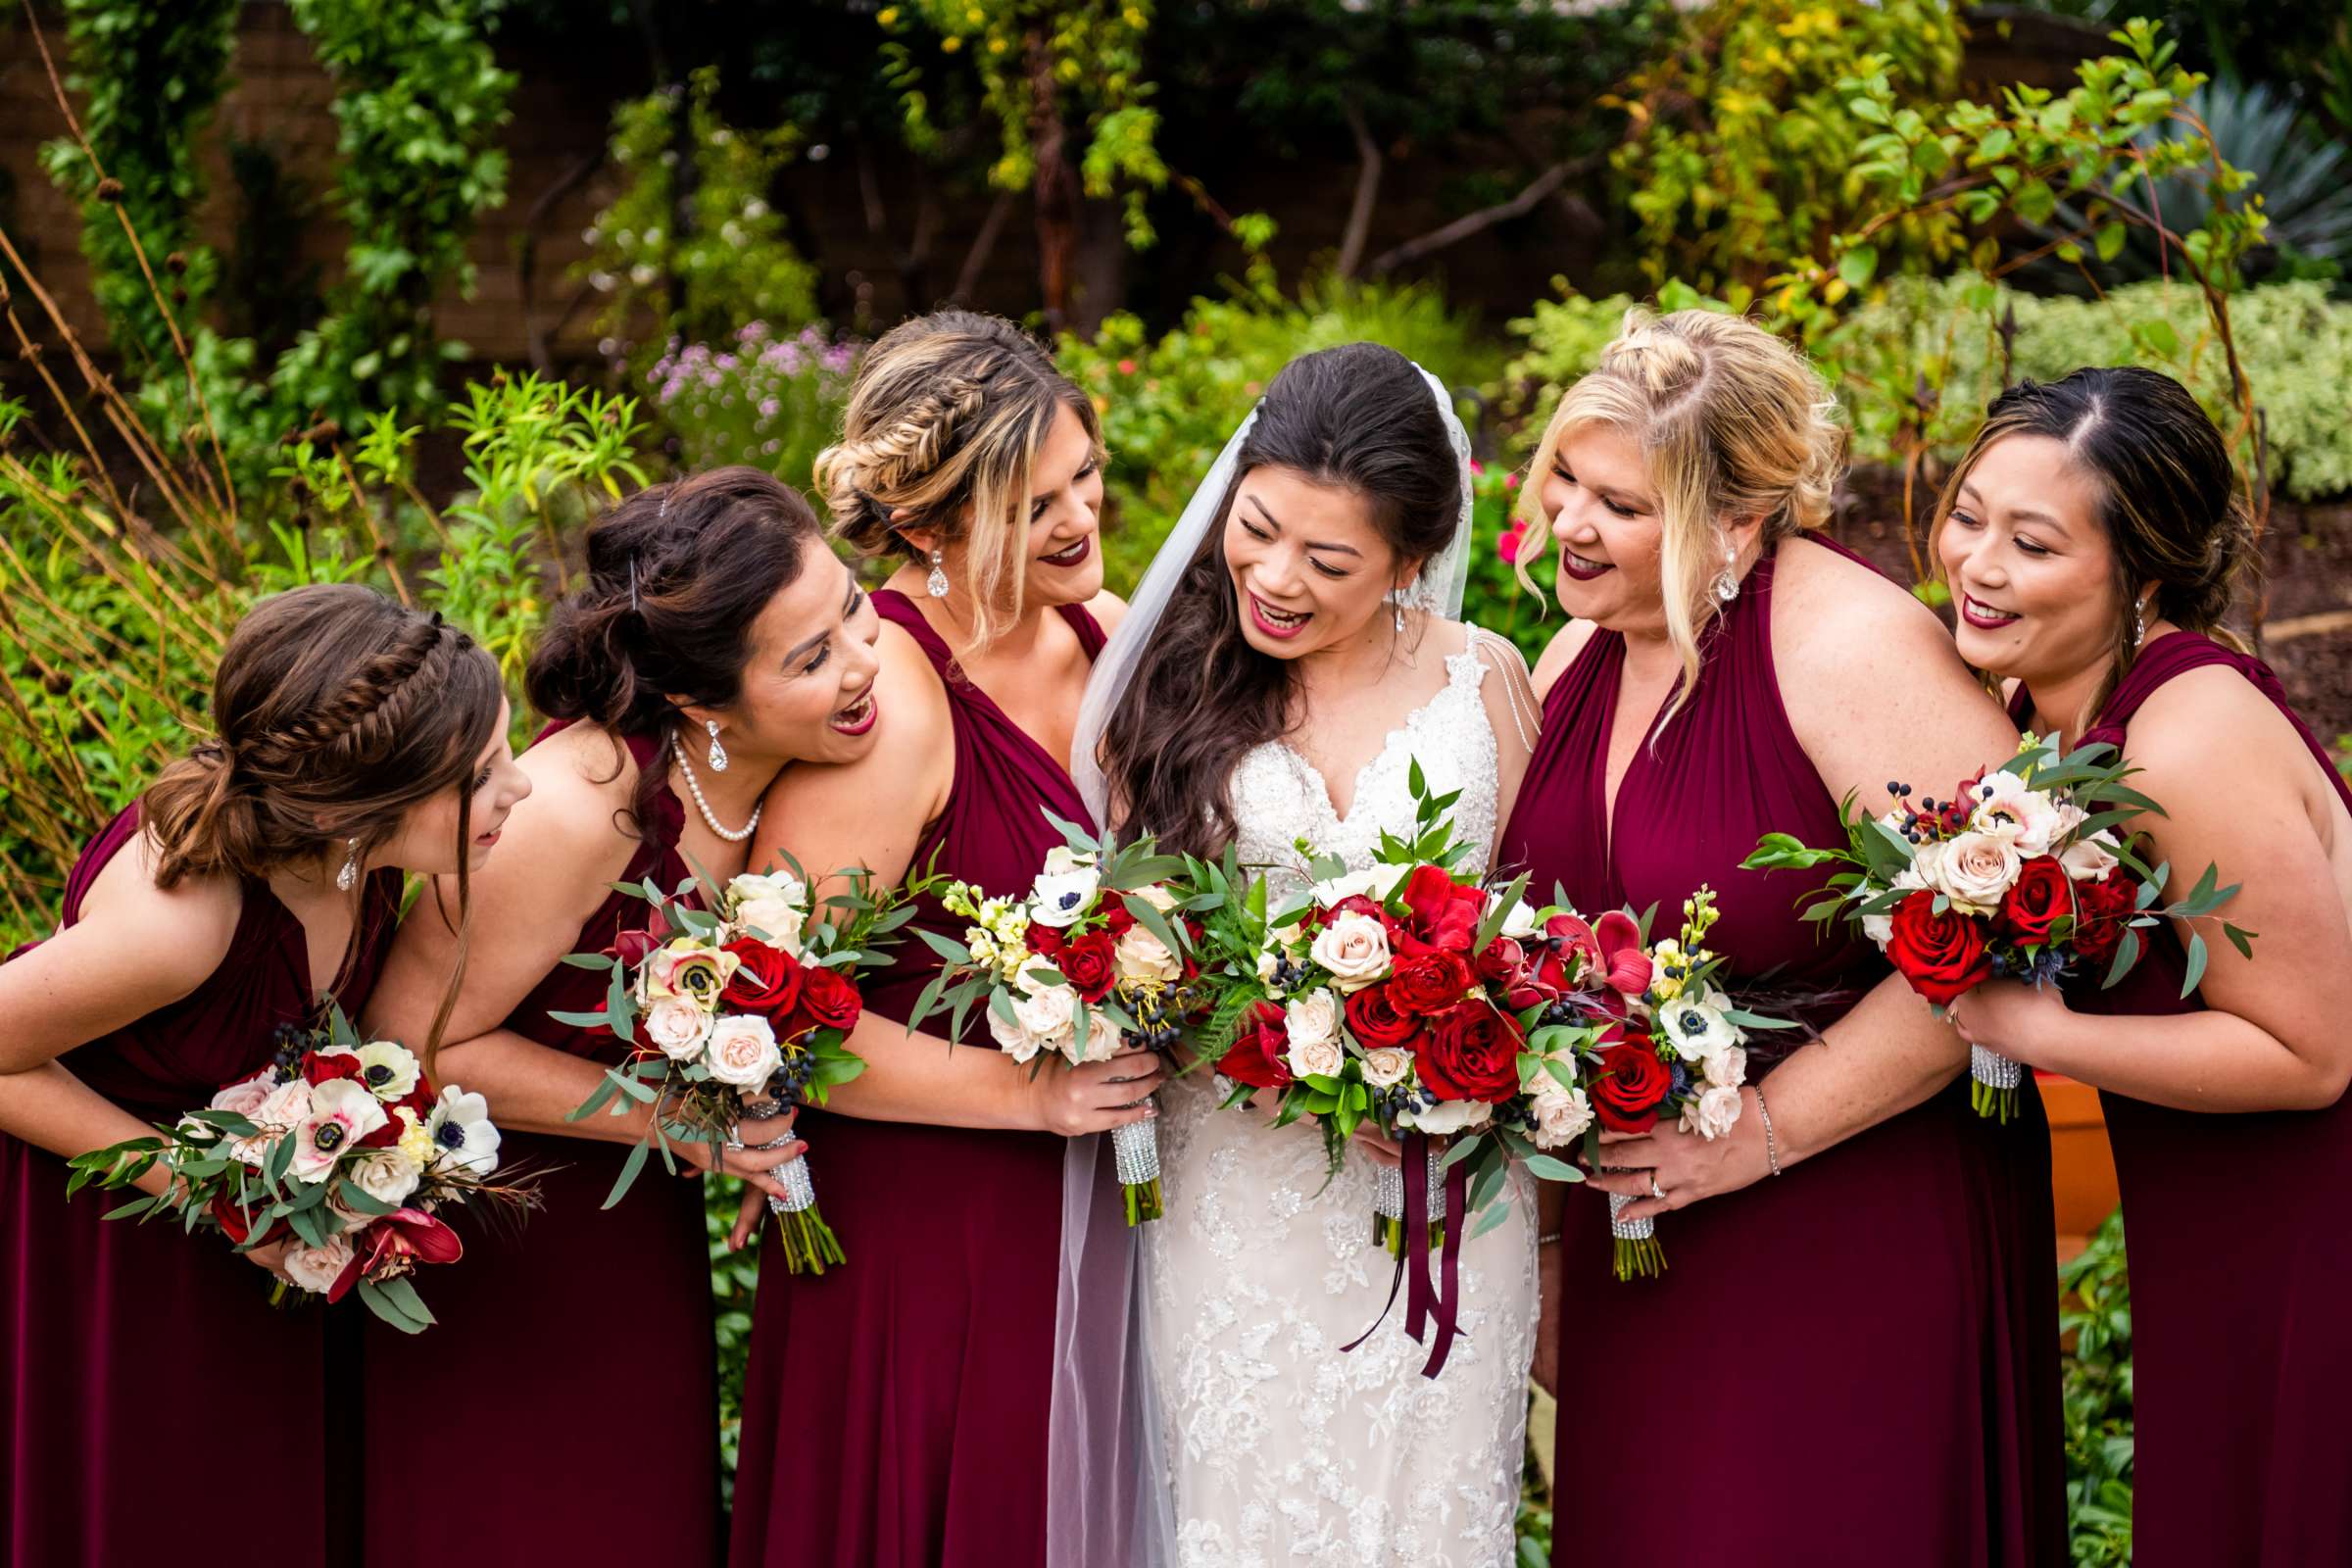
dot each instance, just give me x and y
(1282, 1450)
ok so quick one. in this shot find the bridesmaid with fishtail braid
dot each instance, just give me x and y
(254, 882)
(894, 1411)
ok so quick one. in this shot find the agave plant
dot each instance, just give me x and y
(2302, 175)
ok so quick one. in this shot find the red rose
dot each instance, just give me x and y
(828, 1000)
(1256, 1055)
(2043, 895)
(2101, 912)
(234, 1222)
(383, 1137)
(1357, 903)
(1373, 1018)
(1117, 918)
(1943, 955)
(1471, 1052)
(768, 983)
(318, 1067)
(1446, 914)
(1429, 982)
(1632, 1085)
(1087, 964)
(1045, 941)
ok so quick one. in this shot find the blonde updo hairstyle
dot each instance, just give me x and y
(945, 421)
(1731, 422)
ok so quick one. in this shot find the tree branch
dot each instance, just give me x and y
(1367, 191)
(1486, 218)
(975, 260)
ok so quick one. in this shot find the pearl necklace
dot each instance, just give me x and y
(694, 788)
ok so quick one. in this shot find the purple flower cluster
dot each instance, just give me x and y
(758, 398)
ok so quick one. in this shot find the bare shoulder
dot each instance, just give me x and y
(1560, 653)
(1109, 610)
(180, 934)
(1841, 628)
(2208, 713)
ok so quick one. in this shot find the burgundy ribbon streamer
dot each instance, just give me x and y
(1427, 1303)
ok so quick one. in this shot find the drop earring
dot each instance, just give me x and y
(348, 877)
(2140, 622)
(1399, 620)
(719, 752)
(1726, 587)
(936, 585)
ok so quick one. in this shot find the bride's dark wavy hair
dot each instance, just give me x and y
(1359, 415)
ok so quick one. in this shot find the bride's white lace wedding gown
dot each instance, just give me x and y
(1284, 1452)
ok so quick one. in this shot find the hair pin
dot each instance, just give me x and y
(632, 584)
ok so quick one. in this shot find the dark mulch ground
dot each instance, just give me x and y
(2307, 594)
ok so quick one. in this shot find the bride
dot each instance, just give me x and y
(1289, 656)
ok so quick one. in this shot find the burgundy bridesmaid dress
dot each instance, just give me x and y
(1851, 1363)
(575, 1363)
(893, 1415)
(152, 1396)
(2241, 1264)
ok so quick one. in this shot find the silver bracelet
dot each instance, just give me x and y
(1772, 1147)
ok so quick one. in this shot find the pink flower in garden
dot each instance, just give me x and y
(1477, 467)
(1126, 367)
(1510, 482)
(1507, 547)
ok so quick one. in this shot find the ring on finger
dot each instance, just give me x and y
(1655, 1191)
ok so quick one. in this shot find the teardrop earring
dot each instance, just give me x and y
(1399, 620)
(2140, 622)
(348, 877)
(719, 752)
(936, 585)
(1724, 586)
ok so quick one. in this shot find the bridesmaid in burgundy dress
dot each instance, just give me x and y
(895, 1412)
(251, 883)
(2094, 541)
(1860, 1286)
(714, 640)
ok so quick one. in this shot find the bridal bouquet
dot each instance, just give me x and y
(746, 1009)
(2021, 874)
(1096, 950)
(341, 1147)
(1431, 1007)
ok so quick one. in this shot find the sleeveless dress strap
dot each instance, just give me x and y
(894, 607)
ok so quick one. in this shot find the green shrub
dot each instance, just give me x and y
(2296, 341)
(2098, 1393)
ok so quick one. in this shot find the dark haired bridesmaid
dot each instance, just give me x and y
(894, 1411)
(2094, 542)
(253, 882)
(714, 640)
(1854, 1337)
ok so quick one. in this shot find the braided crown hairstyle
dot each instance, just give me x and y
(335, 710)
(2169, 496)
(944, 424)
(676, 576)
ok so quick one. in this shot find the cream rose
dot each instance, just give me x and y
(678, 1027)
(1974, 870)
(1317, 1058)
(1711, 1113)
(1141, 956)
(1726, 1068)
(2090, 859)
(1387, 1066)
(316, 1268)
(1354, 948)
(1562, 1115)
(245, 1098)
(743, 1052)
(1011, 1039)
(1312, 1018)
(280, 1111)
(1048, 1017)
(774, 905)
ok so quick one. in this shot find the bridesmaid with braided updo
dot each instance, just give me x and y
(254, 881)
(895, 1410)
